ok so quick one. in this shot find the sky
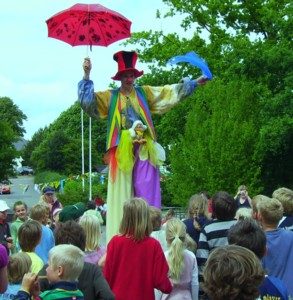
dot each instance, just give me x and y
(40, 74)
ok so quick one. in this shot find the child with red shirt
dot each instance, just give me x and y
(135, 263)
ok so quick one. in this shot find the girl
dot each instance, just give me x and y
(182, 263)
(93, 250)
(20, 216)
(19, 264)
(135, 263)
(198, 216)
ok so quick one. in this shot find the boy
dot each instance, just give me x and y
(279, 259)
(232, 272)
(5, 235)
(65, 265)
(38, 213)
(248, 234)
(285, 196)
(91, 280)
(29, 236)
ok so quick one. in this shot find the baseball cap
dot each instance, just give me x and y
(3, 206)
(48, 190)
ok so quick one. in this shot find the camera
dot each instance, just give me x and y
(242, 193)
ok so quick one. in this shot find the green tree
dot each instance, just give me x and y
(7, 150)
(10, 113)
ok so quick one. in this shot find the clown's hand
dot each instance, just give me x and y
(87, 66)
(202, 80)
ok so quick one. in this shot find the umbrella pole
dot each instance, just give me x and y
(90, 158)
(82, 149)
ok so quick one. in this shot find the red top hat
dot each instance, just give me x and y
(126, 62)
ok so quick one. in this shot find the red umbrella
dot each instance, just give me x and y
(88, 24)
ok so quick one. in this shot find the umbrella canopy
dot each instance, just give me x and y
(88, 24)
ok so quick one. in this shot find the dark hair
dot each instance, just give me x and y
(29, 235)
(224, 206)
(91, 205)
(70, 232)
(248, 234)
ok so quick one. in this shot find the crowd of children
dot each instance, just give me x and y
(233, 249)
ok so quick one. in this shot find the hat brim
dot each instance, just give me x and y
(136, 73)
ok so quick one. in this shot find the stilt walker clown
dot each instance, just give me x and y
(132, 153)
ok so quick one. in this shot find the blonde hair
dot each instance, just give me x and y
(136, 221)
(70, 257)
(38, 212)
(243, 213)
(92, 229)
(198, 203)
(19, 264)
(176, 235)
(270, 209)
(285, 196)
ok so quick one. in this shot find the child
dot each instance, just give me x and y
(285, 196)
(182, 263)
(198, 215)
(38, 213)
(29, 236)
(93, 250)
(247, 233)
(279, 259)
(19, 264)
(135, 263)
(91, 280)
(5, 235)
(232, 272)
(158, 233)
(243, 213)
(20, 214)
(65, 265)
(3, 269)
(92, 210)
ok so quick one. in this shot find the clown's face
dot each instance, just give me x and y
(127, 79)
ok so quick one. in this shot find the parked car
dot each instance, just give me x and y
(5, 188)
(25, 170)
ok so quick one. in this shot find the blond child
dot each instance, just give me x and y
(19, 264)
(20, 216)
(135, 263)
(93, 250)
(182, 263)
(65, 265)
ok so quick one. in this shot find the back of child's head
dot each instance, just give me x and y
(248, 234)
(224, 206)
(29, 235)
(243, 213)
(136, 221)
(70, 257)
(198, 204)
(19, 264)
(91, 205)
(285, 196)
(175, 236)
(270, 211)
(156, 218)
(70, 232)
(38, 212)
(91, 226)
(232, 272)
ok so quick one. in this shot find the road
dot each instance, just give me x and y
(30, 197)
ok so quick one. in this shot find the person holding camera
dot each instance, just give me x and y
(242, 198)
